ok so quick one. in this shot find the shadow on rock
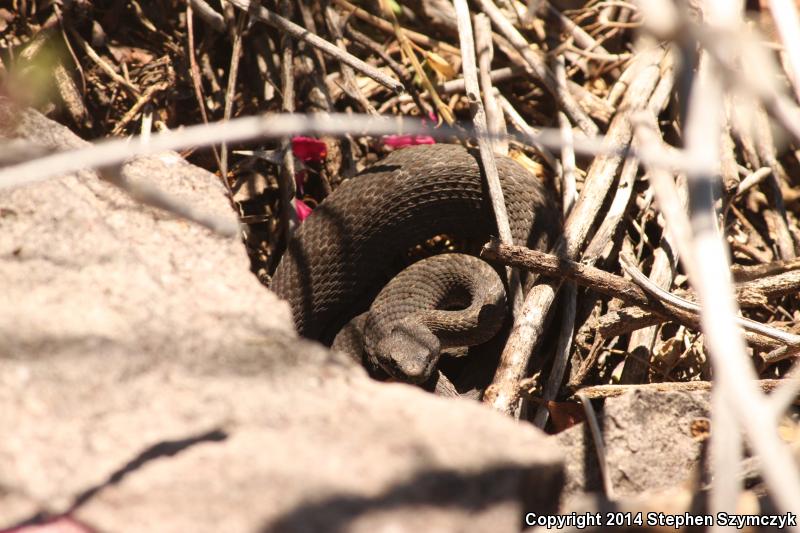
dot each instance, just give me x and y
(445, 489)
(156, 451)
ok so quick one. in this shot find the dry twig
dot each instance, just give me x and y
(273, 19)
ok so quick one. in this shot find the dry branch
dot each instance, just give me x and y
(503, 393)
(385, 25)
(667, 306)
(610, 391)
(484, 144)
(538, 67)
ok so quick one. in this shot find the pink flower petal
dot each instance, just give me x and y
(302, 209)
(309, 149)
(401, 141)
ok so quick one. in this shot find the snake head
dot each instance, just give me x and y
(410, 352)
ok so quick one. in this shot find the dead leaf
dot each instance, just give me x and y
(565, 414)
(533, 167)
(442, 67)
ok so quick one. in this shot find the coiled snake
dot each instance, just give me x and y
(355, 241)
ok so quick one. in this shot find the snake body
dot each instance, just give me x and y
(446, 301)
(356, 240)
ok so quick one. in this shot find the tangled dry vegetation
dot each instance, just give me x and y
(116, 68)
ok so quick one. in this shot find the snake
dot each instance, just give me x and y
(446, 301)
(343, 259)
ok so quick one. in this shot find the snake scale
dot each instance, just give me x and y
(354, 242)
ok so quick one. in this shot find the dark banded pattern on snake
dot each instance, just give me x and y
(446, 301)
(353, 242)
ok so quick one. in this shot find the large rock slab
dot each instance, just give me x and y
(149, 383)
(277, 443)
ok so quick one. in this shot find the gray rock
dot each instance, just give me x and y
(304, 445)
(149, 383)
(650, 439)
(87, 269)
